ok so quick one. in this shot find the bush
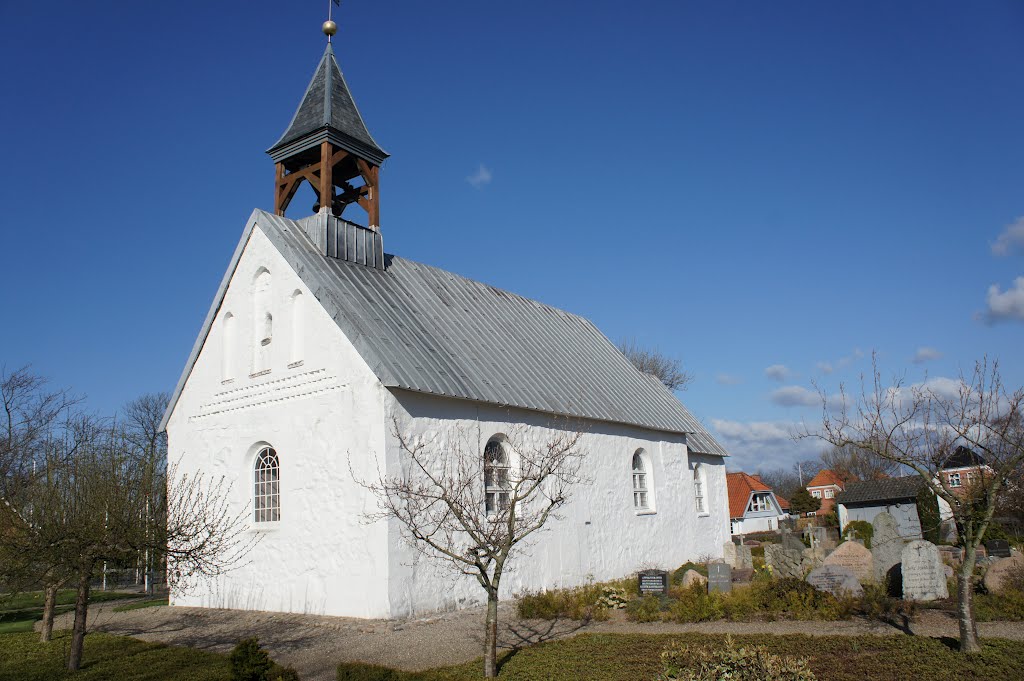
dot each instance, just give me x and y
(677, 576)
(746, 663)
(356, 671)
(1007, 606)
(863, 529)
(590, 601)
(249, 662)
(928, 512)
(646, 609)
(695, 604)
(877, 604)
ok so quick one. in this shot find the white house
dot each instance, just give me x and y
(753, 505)
(317, 342)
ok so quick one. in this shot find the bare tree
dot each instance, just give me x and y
(471, 505)
(919, 427)
(852, 463)
(666, 369)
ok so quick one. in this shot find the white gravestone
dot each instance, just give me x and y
(853, 555)
(886, 545)
(923, 576)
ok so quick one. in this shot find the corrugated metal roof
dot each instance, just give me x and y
(425, 329)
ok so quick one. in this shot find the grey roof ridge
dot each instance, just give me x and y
(302, 100)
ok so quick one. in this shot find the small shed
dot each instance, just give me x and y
(896, 496)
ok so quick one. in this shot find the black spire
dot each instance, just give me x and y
(327, 112)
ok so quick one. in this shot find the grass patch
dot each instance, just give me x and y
(138, 605)
(992, 607)
(20, 612)
(637, 657)
(24, 658)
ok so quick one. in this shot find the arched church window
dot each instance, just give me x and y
(227, 354)
(263, 322)
(297, 323)
(641, 480)
(496, 478)
(267, 493)
(698, 488)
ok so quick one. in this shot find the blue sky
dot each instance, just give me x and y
(742, 185)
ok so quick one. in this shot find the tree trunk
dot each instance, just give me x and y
(491, 635)
(81, 611)
(49, 608)
(965, 602)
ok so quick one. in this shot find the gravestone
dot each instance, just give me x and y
(814, 557)
(819, 537)
(729, 553)
(953, 555)
(791, 541)
(784, 562)
(652, 582)
(853, 555)
(744, 559)
(998, 548)
(1002, 571)
(691, 577)
(719, 577)
(886, 545)
(742, 574)
(923, 576)
(836, 580)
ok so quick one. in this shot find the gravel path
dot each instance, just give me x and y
(314, 644)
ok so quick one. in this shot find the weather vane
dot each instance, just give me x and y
(330, 28)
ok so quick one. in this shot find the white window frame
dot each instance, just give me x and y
(642, 477)
(497, 477)
(830, 494)
(266, 472)
(699, 490)
(954, 480)
(816, 493)
(760, 501)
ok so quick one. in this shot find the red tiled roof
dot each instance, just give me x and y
(825, 478)
(740, 485)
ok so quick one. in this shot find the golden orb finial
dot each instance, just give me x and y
(330, 28)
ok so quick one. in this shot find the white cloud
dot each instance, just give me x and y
(850, 359)
(761, 445)
(926, 354)
(778, 372)
(825, 367)
(1011, 240)
(795, 396)
(728, 379)
(1005, 305)
(481, 177)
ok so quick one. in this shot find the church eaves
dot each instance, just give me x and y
(426, 330)
(327, 112)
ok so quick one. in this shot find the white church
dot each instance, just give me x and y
(318, 341)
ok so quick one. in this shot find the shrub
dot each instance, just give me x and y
(249, 662)
(1008, 606)
(279, 673)
(877, 604)
(746, 663)
(357, 671)
(677, 576)
(646, 609)
(695, 604)
(862, 528)
(928, 512)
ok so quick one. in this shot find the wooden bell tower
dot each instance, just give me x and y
(327, 144)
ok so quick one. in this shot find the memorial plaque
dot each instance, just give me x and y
(719, 577)
(836, 580)
(886, 544)
(852, 555)
(998, 548)
(729, 553)
(923, 576)
(652, 582)
(742, 575)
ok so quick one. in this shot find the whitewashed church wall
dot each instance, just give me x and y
(600, 534)
(316, 406)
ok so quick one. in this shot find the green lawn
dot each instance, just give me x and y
(635, 657)
(595, 657)
(137, 605)
(24, 658)
(20, 612)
